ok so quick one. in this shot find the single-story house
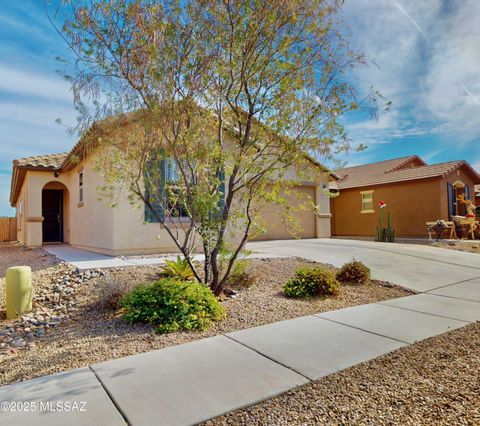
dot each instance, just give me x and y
(415, 193)
(56, 201)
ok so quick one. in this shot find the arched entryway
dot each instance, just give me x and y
(54, 212)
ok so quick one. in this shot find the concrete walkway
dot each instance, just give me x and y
(190, 383)
(85, 260)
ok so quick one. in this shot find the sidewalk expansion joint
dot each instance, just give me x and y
(270, 359)
(110, 396)
(425, 313)
(448, 285)
(361, 329)
(453, 297)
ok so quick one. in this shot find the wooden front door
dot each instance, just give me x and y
(52, 212)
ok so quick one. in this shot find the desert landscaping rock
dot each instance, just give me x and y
(88, 332)
(53, 299)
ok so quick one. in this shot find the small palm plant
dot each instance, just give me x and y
(178, 269)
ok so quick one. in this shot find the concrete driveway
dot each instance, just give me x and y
(418, 267)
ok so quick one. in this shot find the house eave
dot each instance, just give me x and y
(18, 178)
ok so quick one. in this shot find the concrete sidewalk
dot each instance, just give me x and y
(190, 383)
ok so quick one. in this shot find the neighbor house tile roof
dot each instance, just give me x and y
(396, 170)
(51, 161)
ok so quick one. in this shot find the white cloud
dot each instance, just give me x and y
(17, 81)
(37, 113)
(428, 61)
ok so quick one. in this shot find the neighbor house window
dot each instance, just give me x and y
(367, 202)
(80, 187)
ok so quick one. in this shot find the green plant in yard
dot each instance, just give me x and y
(178, 269)
(385, 234)
(311, 281)
(172, 305)
(240, 276)
(353, 272)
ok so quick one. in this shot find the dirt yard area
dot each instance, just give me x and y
(468, 246)
(12, 254)
(433, 382)
(73, 326)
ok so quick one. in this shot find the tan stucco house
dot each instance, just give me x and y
(56, 201)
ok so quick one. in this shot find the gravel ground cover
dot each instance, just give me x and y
(15, 255)
(468, 246)
(433, 382)
(90, 330)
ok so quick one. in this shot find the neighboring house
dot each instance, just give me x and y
(56, 201)
(415, 193)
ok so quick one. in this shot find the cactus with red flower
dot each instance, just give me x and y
(385, 233)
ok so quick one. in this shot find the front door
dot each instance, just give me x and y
(52, 212)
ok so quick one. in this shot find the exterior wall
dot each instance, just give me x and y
(131, 235)
(411, 205)
(88, 225)
(94, 225)
(92, 220)
(20, 214)
(33, 185)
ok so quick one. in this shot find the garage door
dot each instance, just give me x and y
(277, 229)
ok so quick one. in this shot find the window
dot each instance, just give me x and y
(367, 202)
(174, 205)
(80, 187)
(164, 190)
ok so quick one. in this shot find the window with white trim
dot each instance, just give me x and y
(367, 201)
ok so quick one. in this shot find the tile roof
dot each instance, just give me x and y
(51, 161)
(396, 170)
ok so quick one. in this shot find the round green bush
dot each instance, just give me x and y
(353, 272)
(172, 305)
(311, 281)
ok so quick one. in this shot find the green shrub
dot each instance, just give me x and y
(239, 276)
(353, 272)
(178, 269)
(311, 281)
(172, 305)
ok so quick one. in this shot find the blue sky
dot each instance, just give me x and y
(427, 60)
